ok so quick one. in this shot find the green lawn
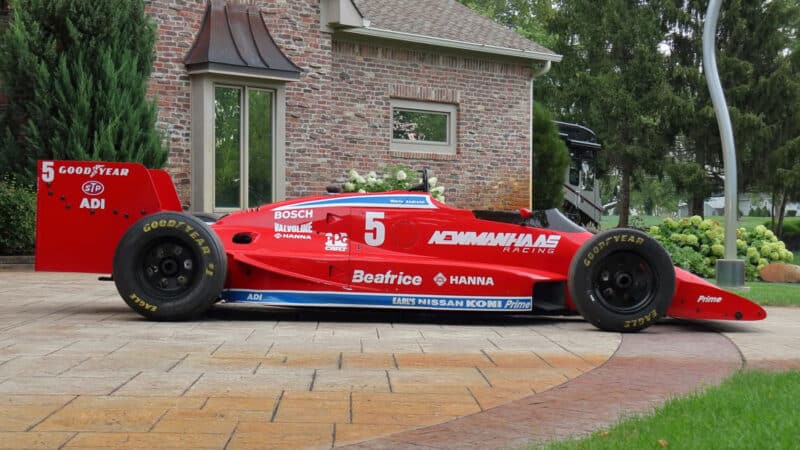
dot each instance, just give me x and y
(749, 410)
(607, 222)
(773, 294)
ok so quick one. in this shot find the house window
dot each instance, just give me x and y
(243, 147)
(423, 127)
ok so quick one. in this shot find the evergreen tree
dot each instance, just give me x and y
(526, 17)
(76, 74)
(550, 161)
(613, 79)
(753, 40)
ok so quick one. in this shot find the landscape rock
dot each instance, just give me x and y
(781, 273)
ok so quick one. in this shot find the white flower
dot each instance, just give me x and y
(401, 175)
(432, 181)
(371, 181)
(440, 198)
(438, 190)
(353, 174)
(372, 174)
(349, 187)
(361, 191)
(361, 179)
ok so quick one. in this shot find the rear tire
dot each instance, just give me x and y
(170, 266)
(621, 280)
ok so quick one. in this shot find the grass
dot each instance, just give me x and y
(773, 294)
(749, 410)
(607, 222)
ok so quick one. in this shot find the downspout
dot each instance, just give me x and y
(535, 74)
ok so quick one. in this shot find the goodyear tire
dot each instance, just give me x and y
(621, 280)
(170, 266)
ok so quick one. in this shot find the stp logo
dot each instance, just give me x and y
(93, 188)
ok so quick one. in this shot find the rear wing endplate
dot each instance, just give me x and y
(84, 207)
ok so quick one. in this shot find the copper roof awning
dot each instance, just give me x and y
(234, 39)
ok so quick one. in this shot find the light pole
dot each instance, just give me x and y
(730, 271)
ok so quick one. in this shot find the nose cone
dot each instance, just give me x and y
(696, 298)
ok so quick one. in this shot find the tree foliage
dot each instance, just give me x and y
(613, 79)
(753, 40)
(550, 161)
(76, 75)
(527, 17)
(632, 71)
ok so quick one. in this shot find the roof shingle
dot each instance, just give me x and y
(444, 19)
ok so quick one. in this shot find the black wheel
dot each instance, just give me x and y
(170, 266)
(621, 280)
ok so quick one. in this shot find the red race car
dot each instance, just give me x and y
(395, 250)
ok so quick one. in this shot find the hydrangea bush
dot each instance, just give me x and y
(696, 244)
(391, 178)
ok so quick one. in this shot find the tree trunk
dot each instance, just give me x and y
(696, 205)
(625, 196)
(781, 214)
(772, 208)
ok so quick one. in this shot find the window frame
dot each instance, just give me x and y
(443, 148)
(244, 144)
(203, 132)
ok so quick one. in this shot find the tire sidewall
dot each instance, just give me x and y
(208, 255)
(592, 253)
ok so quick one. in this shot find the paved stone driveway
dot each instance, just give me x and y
(78, 369)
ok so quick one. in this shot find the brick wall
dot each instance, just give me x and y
(178, 23)
(338, 113)
(490, 168)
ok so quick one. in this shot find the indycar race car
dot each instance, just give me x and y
(397, 250)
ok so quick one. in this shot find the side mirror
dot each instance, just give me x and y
(422, 187)
(525, 213)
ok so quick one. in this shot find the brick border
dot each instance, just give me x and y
(665, 361)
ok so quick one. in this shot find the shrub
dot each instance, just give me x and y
(550, 161)
(76, 78)
(392, 178)
(791, 226)
(696, 244)
(17, 217)
(759, 211)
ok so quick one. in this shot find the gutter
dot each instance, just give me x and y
(452, 43)
(534, 75)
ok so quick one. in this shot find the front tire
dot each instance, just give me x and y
(170, 266)
(621, 280)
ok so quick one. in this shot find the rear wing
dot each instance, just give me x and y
(84, 207)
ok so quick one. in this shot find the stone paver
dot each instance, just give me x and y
(78, 369)
(648, 368)
(773, 343)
